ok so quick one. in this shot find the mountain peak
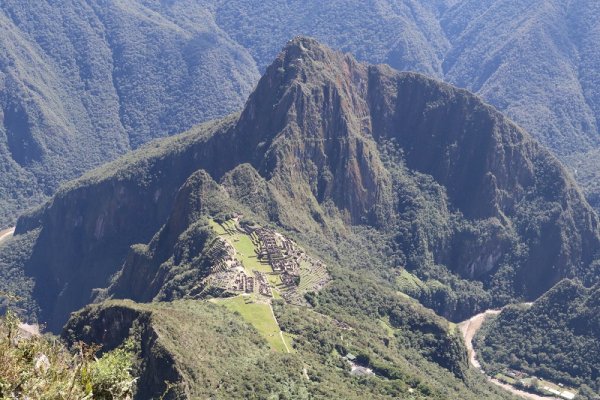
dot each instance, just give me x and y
(304, 72)
(309, 111)
(327, 138)
(307, 60)
(304, 44)
(304, 49)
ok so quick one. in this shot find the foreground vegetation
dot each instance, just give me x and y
(41, 367)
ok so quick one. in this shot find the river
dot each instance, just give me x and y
(469, 329)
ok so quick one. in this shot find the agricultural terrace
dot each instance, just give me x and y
(261, 317)
(266, 263)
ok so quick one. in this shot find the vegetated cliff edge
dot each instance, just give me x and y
(448, 182)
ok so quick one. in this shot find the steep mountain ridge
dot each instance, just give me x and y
(534, 61)
(490, 48)
(315, 130)
(184, 238)
(99, 228)
(333, 146)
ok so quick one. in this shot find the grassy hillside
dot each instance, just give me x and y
(260, 316)
(232, 359)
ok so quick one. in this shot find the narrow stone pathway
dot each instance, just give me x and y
(280, 331)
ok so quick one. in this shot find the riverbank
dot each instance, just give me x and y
(469, 329)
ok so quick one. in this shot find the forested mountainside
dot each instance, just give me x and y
(534, 60)
(419, 184)
(84, 82)
(556, 338)
(233, 358)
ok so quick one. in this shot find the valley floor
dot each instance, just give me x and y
(469, 329)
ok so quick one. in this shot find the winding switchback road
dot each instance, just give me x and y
(469, 328)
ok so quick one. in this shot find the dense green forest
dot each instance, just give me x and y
(85, 82)
(557, 338)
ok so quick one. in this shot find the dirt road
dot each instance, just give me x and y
(469, 329)
(5, 234)
(280, 332)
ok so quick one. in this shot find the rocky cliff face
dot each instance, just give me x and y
(150, 272)
(326, 141)
(104, 213)
(310, 111)
(535, 61)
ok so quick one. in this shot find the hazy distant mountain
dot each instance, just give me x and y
(87, 81)
(83, 82)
